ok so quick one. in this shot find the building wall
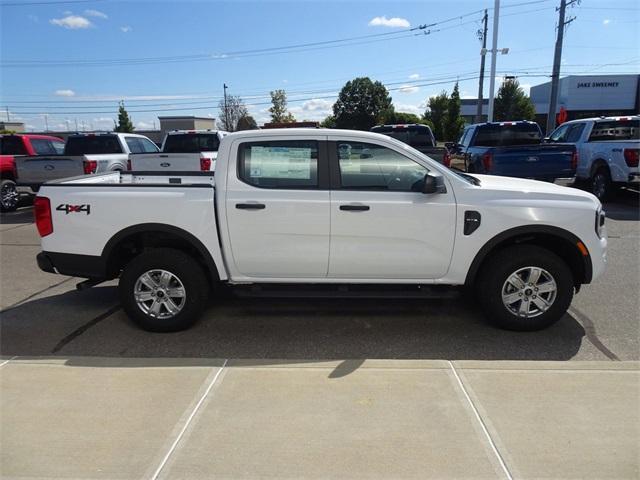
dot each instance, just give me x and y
(13, 126)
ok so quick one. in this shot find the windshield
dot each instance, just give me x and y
(191, 143)
(92, 145)
(495, 135)
(415, 136)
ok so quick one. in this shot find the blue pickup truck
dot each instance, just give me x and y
(512, 149)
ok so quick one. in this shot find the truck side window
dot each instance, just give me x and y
(560, 134)
(42, 146)
(287, 164)
(466, 136)
(615, 130)
(575, 132)
(365, 166)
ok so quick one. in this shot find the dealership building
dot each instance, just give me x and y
(584, 96)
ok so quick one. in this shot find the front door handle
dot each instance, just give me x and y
(250, 206)
(355, 208)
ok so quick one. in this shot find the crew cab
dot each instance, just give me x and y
(608, 151)
(12, 146)
(182, 150)
(419, 136)
(84, 154)
(512, 149)
(323, 212)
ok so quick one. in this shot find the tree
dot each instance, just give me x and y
(328, 122)
(437, 112)
(279, 113)
(246, 123)
(512, 103)
(361, 103)
(453, 123)
(232, 112)
(124, 122)
(394, 117)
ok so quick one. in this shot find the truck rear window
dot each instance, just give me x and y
(615, 130)
(414, 136)
(191, 143)
(506, 135)
(92, 145)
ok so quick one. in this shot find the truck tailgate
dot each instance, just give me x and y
(41, 168)
(544, 161)
(166, 162)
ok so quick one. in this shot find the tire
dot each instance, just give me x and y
(493, 284)
(151, 286)
(600, 184)
(9, 197)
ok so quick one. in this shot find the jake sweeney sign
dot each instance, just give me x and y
(598, 84)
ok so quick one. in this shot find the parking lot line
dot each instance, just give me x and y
(482, 425)
(7, 361)
(188, 422)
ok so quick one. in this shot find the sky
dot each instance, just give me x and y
(67, 62)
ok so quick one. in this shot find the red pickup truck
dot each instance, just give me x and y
(12, 146)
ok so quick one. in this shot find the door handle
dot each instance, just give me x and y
(250, 206)
(355, 208)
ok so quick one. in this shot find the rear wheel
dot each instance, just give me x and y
(601, 185)
(163, 290)
(8, 195)
(525, 288)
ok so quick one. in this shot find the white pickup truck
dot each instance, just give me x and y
(608, 151)
(182, 151)
(84, 153)
(323, 212)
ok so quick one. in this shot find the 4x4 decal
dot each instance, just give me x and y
(67, 209)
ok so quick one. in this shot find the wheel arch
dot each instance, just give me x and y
(555, 239)
(131, 241)
(597, 164)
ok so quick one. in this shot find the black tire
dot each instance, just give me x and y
(500, 266)
(600, 184)
(185, 269)
(9, 198)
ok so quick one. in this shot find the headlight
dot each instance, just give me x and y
(600, 217)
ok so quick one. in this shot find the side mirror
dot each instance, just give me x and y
(450, 145)
(433, 184)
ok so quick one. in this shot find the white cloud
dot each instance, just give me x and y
(410, 108)
(414, 76)
(72, 22)
(65, 93)
(526, 87)
(316, 104)
(606, 21)
(95, 13)
(125, 29)
(394, 22)
(409, 89)
(144, 125)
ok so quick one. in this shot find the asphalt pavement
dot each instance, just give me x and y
(317, 388)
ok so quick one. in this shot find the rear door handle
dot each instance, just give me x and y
(250, 206)
(355, 208)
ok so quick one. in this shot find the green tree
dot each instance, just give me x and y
(453, 123)
(512, 103)
(278, 110)
(361, 104)
(328, 122)
(231, 112)
(392, 117)
(436, 114)
(246, 123)
(124, 122)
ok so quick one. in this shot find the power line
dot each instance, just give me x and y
(61, 2)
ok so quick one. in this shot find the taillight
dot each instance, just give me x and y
(205, 164)
(42, 214)
(90, 166)
(631, 156)
(487, 162)
(446, 159)
(574, 161)
(129, 165)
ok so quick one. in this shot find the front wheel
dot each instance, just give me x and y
(525, 288)
(8, 196)
(163, 290)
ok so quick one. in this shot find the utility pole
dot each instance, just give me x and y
(66, 121)
(76, 124)
(8, 117)
(555, 74)
(226, 111)
(494, 54)
(483, 55)
(46, 123)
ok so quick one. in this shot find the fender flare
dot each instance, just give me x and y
(522, 231)
(192, 240)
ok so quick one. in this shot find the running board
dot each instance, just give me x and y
(346, 291)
